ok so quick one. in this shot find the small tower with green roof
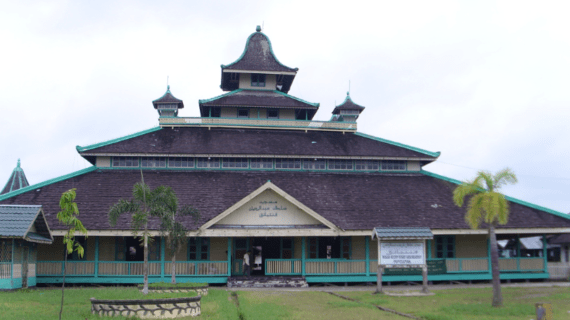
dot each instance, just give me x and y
(347, 111)
(168, 105)
(16, 181)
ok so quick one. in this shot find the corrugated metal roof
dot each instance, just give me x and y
(16, 221)
(402, 233)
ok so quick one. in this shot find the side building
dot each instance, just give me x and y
(302, 195)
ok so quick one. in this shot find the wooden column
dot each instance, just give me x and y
(229, 256)
(162, 259)
(379, 280)
(367, 256)
(303, 245)
(425, 274)
(545, 253)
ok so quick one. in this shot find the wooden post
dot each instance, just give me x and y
(367, 244)
(425, 279)
(96, 256)
(229, 256)
(379, 280)
(162, 249)
(303, 245)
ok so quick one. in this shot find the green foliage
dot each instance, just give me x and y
(486, 204)
(68, 217)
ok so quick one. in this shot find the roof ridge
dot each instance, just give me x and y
(270, 50)
(398, 144)
(314, 104)
(511, 199)
(112, 141)
(47, 182)
(200, 101)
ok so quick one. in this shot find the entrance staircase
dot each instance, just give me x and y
(267, 282)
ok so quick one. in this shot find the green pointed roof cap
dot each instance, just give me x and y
(16, 181)
(258, 57)
(348, 104)
(168, 98)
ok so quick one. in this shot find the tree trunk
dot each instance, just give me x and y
(173, 273)
(497, 295)
(63, 282)
(145, 266)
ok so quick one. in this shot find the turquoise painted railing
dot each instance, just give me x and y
(358, 267)
(130, 268)
(288, 123)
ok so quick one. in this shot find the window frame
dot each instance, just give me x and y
(116, 160)
(347, 163)
(276, 117)
(367, 165)
(253, 162)
(281, 161)
(209, 162)
(393, 163)
(188, 160)
(242, 116)
(446, 241)
(258, 80)
(313, 163)
(232, 163)
(154, 160)
(200, 242)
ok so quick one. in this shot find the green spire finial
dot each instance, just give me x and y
(18, 163)
(348, 93)
(258, 29)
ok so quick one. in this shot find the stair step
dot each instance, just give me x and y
(267, 282)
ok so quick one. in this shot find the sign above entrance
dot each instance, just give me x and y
(402, 253)
(270, 209)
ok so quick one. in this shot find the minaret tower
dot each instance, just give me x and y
(347, 111)
(17, 180)
(168, 105)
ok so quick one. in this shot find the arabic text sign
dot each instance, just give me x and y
(402, 253)
(267, 209)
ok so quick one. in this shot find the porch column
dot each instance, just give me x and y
(303, 256)
(518, 253)
(96, 256)
(229, 256)
(428, 247)
(367, 243)
(544, 253)
(162, 259)
(12, 266)
(490, 266)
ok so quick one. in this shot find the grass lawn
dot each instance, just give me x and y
(220, 304)
(474, 303)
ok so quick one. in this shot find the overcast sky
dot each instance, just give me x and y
(484, 82)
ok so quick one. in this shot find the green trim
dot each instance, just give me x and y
(397, 144)
(314, 104)
(270, 50)
(162, 251)
(367, 248)
(200, 101)
(108, 142)
(167, 92)
(260, 125)
(47, 182)
(511, 199)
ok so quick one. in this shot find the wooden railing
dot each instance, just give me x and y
(279, 266)
(201, 268)
(253, 122)
(5, 270)
(559, 270)
(467, 265)
(521, 264)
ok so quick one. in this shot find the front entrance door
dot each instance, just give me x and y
(25, 267)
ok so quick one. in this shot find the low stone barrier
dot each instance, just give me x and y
(202, 291)
(168, 308)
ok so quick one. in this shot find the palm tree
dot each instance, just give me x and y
(486, 204)
(172, 230)
(144, 204)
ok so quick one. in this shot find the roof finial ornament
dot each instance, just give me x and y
(348, 93)
(18, 162)
(258, 29)
(167, 83)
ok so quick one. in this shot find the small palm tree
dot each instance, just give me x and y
(172, 230)
(490, 206)
(144, 204)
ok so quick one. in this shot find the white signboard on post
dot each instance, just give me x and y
(402, 253)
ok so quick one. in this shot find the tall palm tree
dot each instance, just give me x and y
(144, 204)
(489, 206)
